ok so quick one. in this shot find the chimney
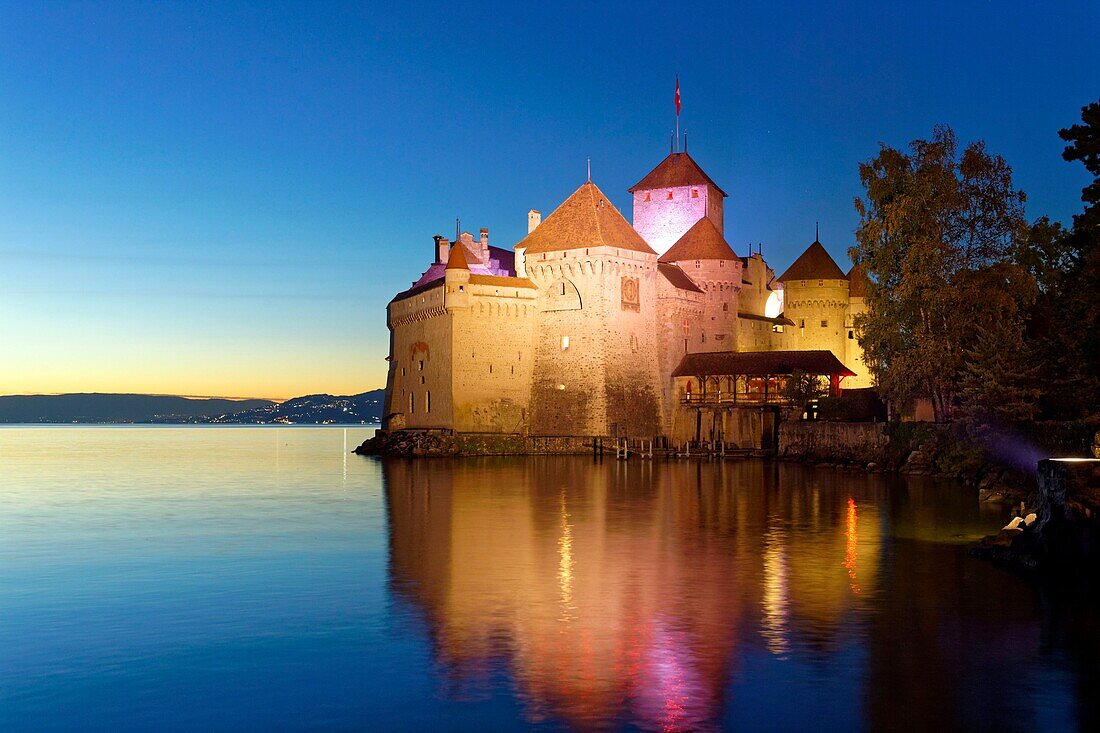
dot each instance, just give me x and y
(534, 218)
(443, 248)
(438, 248)
(484, 237)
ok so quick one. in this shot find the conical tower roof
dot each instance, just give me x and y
(678, 169)
(702, 242)
(585, 219)
(457, 258)
(814, 264)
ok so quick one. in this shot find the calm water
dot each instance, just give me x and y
(232, 578)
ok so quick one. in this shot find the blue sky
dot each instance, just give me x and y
(216, 198)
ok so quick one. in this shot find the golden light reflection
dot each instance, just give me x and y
(851, 547)
(773, 624)
(627, 595)
(565, 563)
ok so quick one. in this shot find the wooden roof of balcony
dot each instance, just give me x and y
(760, 364)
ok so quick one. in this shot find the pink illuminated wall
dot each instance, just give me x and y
(662, 220)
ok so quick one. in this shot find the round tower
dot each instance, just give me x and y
(815, 298)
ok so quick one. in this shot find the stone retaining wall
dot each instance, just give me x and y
(834, 442)
(441, 443)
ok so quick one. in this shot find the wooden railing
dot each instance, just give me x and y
(729, 398)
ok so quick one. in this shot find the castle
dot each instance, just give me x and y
(593, 326)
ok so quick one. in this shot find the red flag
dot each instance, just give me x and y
(677, 96)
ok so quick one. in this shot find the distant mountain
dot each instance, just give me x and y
(96, 408)
(115, 408)
(314, 409)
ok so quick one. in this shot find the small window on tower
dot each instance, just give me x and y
(725, 306)
(633, 342)
(563, 288)
(564, 343)
(851, 334)
(702, 337)
(670, 195)
(462, 288)
(820, 283)
(824, 324)
(647, 195)
(802, 323)
(695, 193)
(421, 365)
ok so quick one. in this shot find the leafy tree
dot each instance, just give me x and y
(800, 388)
(937, 237)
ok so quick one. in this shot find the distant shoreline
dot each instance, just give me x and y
(364, 426)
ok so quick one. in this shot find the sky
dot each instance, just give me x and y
(220, 198)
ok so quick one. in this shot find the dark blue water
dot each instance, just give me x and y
(231, 578)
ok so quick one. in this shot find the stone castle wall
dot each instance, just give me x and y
(595, 366)
(419, 378)
(492, 334)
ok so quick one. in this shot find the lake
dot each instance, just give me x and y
(263, 578)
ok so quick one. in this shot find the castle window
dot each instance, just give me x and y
(422, 379)
(695, 193)
(670, 195)
(633, 342)
(824, 324)
(685, 345)
(563, 288)
(402, 371)
(851, 334)
(820, 283)
(703, 337)
(462, 288)
(777, 328)
(412, 403)
(427, 402)
(802, 323)
(647, 195)
(697, 263)
(725, 306)
(564, 343)
(490, 368)
(421, 365)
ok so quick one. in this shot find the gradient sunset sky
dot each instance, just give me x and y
(220, 198)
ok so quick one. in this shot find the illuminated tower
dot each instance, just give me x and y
(672, 198)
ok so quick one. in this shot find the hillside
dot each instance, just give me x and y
(99, 408)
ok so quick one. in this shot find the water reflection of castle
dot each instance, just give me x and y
(629, 599)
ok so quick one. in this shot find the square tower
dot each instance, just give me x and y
(672, 198)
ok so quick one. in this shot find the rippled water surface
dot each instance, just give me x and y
(229, 578)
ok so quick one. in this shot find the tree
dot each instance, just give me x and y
(1000, 380)
(1084, 146)
(800, 388)
(937, 237)
(1065, 322)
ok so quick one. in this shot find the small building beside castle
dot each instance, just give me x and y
(595, 326)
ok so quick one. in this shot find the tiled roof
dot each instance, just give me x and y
(417, 289)
(678, 169)
(760, 363)
(677, 277)
(857, 282)
(511, 282)
(813, 264)
(585, 219)
(702, 242)
(457, 258)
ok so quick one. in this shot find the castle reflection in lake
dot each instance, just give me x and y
(687, 595)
